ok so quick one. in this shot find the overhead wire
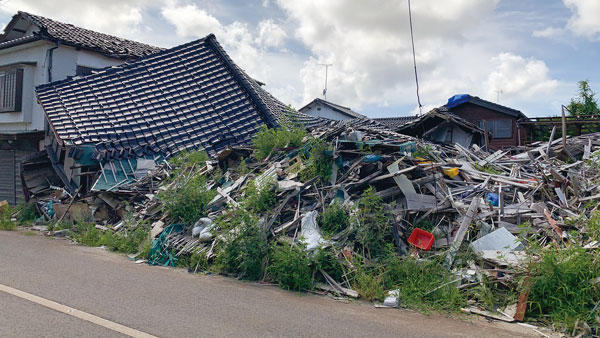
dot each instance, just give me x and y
(412, 39)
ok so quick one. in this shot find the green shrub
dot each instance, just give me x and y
(317, 162)
(189, 158)
(372, 224)
(27, 213)
(6, 222)
(87, 234)
(561, 286)
(268, 139)
(186, 202)
(368, 283)
(125, 241)
(333, 219)
(328, 262)
(260, 199)
(291, 267)
(243, 247)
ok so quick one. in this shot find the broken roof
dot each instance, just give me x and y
(341, 109)
(189, 96)
(16, 32)
(433, 119)
(459, 99)
(395, 122)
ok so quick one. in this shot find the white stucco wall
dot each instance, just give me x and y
(64, 64)
(320, 110)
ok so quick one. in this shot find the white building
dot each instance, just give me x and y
(35, 50)
(321, 108)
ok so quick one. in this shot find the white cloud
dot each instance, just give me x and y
(270, 34)
(519, 77)
(191, 21)
(584, 21)
(548, 32)
(123, 18)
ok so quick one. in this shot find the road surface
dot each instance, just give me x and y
(168, 302)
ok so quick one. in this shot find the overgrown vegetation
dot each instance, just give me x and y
(372, 224)
(186, 200)
(333, 219)
(317, 162)
(260, 199)
(27, 213)
(290, 267)
(124, 241)
(564, 287)
(243, 247)
(6, 222)
(268, 139)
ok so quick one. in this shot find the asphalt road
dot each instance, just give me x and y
(169, 302)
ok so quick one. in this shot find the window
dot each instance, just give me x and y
(11, 87)
(498, 128)
(83, 70)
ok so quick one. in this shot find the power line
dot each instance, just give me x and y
(412, 39)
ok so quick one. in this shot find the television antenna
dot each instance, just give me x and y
(498, 93)
(326, 65)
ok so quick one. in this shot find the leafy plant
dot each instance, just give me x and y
(186, 202)
(244, 247)
(333, 219)
(372, 224)
(6, 222)
(290, 267)
(368, 283)
(318, 163)
(260, 199)
(562, 286)
(189, 158)
(27, 213)
(268, 139)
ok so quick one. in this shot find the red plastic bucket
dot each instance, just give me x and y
(421, 239)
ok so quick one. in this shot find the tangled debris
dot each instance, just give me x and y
(364, 212)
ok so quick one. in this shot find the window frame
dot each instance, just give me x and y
(17, 94)
(492, 128)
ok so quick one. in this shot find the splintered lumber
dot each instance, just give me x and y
(420, 202)
(462, 230)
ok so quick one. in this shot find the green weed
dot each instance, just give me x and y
(27, 213)
(261, 199)
(291, 267)
(333, 219)
(243, 248)
(268, 139)
(186, 202)
(561, 287)
(6, 222)
(372, 224)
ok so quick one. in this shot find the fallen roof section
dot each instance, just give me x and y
(395, 122)
(16, 31)
(189, 96)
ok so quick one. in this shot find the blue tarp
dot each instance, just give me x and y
(457, 100)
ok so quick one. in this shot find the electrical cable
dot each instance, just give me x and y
(412, 39)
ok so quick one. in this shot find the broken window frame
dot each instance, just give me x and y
(497, 131)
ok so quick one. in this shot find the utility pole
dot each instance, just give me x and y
(327, 65)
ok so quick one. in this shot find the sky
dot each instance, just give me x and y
(528, 55)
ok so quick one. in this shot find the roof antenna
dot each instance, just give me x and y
(498, 92)
(412, 39)
(327, 65)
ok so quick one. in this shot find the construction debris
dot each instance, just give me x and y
(449, 199)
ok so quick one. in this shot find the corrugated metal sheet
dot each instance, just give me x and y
(7, 176)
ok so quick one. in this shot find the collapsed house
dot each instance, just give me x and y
(124, 119)
(440, 126)
(35, 50)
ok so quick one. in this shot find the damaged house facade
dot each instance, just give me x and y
(110, 127)
(35, 50)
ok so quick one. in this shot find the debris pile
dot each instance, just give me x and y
(364, 212)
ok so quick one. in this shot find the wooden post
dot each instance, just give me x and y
(564, 129)
(487, 140)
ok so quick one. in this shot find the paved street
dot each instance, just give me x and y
(173, 303)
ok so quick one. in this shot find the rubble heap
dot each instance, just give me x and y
(363, 211)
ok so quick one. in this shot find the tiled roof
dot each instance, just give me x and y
(395, 122)
(459, 99)
(82, 38)
(437, 115)
(185, 97)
